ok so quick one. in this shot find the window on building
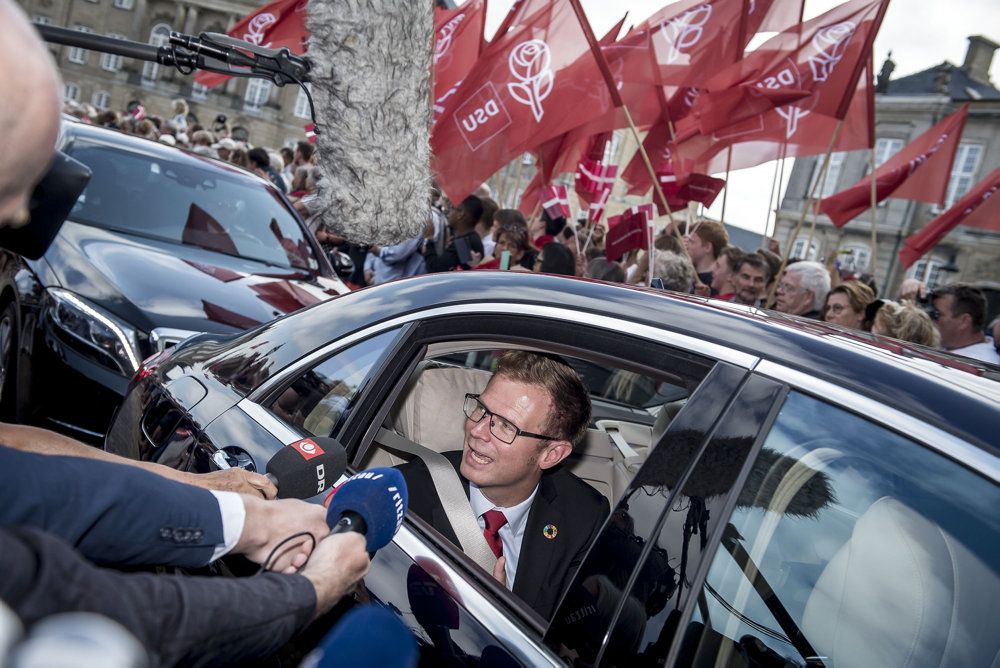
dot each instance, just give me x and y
(71, 92)
(257, 94)
(799, 250)
(885, 148)
(37, 19)
(110, 61)
(76, 54)
(124, 4)
(963, 172)
(101, 99)
(854, 258)
(302, 103)
(928, 270)
(199, 93)
(830, 179)
(158, 36)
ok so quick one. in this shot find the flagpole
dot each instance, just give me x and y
(774, 182)
(725, 192)
(805, 209)
(874, 205)
(616, 98)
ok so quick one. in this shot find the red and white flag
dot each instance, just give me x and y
(596, 209)
(276, 24)
(818, 62)
(458, 39)
(920, 171)
(980, 208)
(555, 201)
(310, 129)
(632, 229)
(523, 91)
(680, 191)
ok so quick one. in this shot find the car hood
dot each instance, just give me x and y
(151, 283)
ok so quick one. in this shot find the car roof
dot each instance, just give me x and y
(959, 395)
(72, 130)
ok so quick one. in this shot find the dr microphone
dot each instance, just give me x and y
(371, 503)
(306, 468)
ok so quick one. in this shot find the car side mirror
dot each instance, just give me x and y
(50, 204)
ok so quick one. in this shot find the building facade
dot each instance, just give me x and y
(905, 108)
(272, 116)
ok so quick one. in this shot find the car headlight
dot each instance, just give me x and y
(99, 335)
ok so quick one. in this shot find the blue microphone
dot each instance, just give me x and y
(366, 637)
(371, 503)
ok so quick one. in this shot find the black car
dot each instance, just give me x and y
(162, 244)
(783, 492)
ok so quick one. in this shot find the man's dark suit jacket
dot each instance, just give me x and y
(545, 566)
(112, 513)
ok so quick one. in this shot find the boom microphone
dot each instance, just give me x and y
(371, 503)
(306, 468)
(366, 637)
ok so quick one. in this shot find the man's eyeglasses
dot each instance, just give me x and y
(501, 427)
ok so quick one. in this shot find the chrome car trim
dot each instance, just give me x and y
(526, 649)
(933, 437)
(269, 422)
(664, 336)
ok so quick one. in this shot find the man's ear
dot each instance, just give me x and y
(554, 452)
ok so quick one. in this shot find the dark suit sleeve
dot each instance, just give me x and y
(180, 620)
(111, 513)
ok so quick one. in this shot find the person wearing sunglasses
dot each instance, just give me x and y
(537, 517)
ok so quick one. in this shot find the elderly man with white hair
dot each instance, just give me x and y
(802, 290)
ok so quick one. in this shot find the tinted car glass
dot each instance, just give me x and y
(188, 203)
(319, 400)
(851, 545)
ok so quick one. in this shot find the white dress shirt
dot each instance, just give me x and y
(512, 533)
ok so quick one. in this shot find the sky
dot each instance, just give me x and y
(920, 33)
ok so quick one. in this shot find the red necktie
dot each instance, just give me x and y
(494, 520)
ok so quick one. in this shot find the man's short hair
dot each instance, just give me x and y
(754, 260)
(604, 269)
(669, 242)
(712, 232)
(732, 253)
(967, 299)
(773, 262)
(490, 207)
(305, 149)
(472, 209)
(259, 157)
(569, 413)
(675, 270)
(812, 276)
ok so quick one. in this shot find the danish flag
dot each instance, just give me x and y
(555, 201)
(596, 211)
(593, 176)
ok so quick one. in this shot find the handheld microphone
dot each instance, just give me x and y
(371, 503)
(366, 637)
(306, 468)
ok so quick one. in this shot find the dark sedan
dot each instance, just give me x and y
(783, 492)
(162, 244)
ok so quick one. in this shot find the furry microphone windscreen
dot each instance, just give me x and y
(371, 86)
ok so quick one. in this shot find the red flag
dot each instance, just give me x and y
(794, 130)
(596, 209)
(594, 177)
(626, 232)
(310, 129)
(691, 188)
(522, 92)
(555, 201)
(980, 207)
(920, 172)
(457, 41)
(822, 59)
(277, 24)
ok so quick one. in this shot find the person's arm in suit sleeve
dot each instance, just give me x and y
(180, 620)
(45, 442)
(400, 252)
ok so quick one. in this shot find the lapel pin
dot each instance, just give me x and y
(550, 531)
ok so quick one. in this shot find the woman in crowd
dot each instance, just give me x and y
(906, 322)
(514, 238)
(555, 258)
(846, 304)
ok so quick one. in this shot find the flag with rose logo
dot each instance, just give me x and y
(276, 24)
(458, 38)
(533, 84)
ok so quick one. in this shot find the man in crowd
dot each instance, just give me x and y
(959, 311)
(538, 518)
(802, 290)
(465, 240)
(724, 273)
(704, 244)
(260, 162)
(752, 274)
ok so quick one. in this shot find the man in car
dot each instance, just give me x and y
(751, 276)
(537, 517)
(802, 290)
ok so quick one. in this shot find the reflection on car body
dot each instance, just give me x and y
(768, 478)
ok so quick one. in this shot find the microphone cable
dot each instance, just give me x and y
(274, 552)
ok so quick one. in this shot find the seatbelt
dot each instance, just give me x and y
(449, 488)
